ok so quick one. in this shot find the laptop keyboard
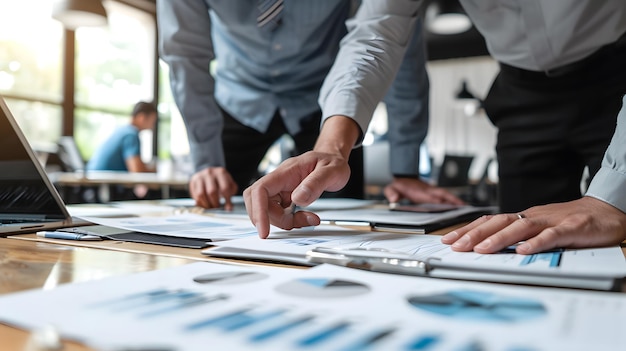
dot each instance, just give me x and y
(23, 196)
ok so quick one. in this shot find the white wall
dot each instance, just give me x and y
(451, 130)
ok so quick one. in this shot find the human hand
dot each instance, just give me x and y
(418, 191)
(302, 179)
(586, 222)
(298, 180)
(208, 185)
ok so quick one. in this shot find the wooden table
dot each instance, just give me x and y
(30, 264)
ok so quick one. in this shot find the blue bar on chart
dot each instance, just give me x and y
(323, 335)
(126, 299)
(554, 258)
(369, 341)
(153, 300)
(218, 320)
(521, 348)
(473, 345)
(158, 300)
(189, 302)
(423, 343)
(277, 331)
(248, 319)
(236, 320)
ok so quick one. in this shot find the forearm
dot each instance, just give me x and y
(338, 136)
(135, 165)
(185, 45)
(368, 60)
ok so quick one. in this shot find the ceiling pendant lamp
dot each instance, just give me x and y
(79, 13)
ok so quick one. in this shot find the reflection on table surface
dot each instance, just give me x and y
(34, 265)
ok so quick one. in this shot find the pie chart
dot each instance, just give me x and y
(322, 288)
(479, 305)
(229, 278)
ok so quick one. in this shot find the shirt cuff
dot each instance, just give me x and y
(207, 154)
(404, 159)
(347, 105)
(609, 185)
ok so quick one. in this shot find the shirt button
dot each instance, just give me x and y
(278, 47)
(275, 72)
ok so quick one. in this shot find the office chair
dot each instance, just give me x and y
(454, 171)
(70, 156)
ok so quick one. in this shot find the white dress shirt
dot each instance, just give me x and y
(609, 184)
(537, 35)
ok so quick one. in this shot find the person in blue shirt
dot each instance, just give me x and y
(266, 83)
(121, 151)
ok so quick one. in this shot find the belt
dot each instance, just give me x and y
(574, 67)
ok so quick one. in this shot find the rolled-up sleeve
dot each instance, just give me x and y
(609, 184)
(185, 45)
(369, 59)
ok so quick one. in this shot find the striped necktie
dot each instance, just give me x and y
(269, 13)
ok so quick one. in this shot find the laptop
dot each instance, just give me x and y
(28, 200)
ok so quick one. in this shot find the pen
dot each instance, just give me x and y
(68, 236)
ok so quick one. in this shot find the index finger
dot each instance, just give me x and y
(256, 199)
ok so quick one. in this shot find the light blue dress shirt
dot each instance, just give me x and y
(260, 72)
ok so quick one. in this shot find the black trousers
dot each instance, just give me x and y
(550, 126)
(245, 147)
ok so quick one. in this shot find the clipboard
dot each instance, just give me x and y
(396, 220)
(384, 261)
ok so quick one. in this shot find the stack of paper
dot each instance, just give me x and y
(598, 268)
(207, 306)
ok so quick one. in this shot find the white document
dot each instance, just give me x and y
(97, 210)
(292, 246)
(207, 306)
(239, 208)
(327, 204)
(187, 225)
(585, 268)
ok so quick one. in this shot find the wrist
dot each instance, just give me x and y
(338, 135)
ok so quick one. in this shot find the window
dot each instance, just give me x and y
(173, 135)
(114, 70)
(31, 67)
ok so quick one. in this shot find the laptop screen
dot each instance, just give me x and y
(23, 190)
